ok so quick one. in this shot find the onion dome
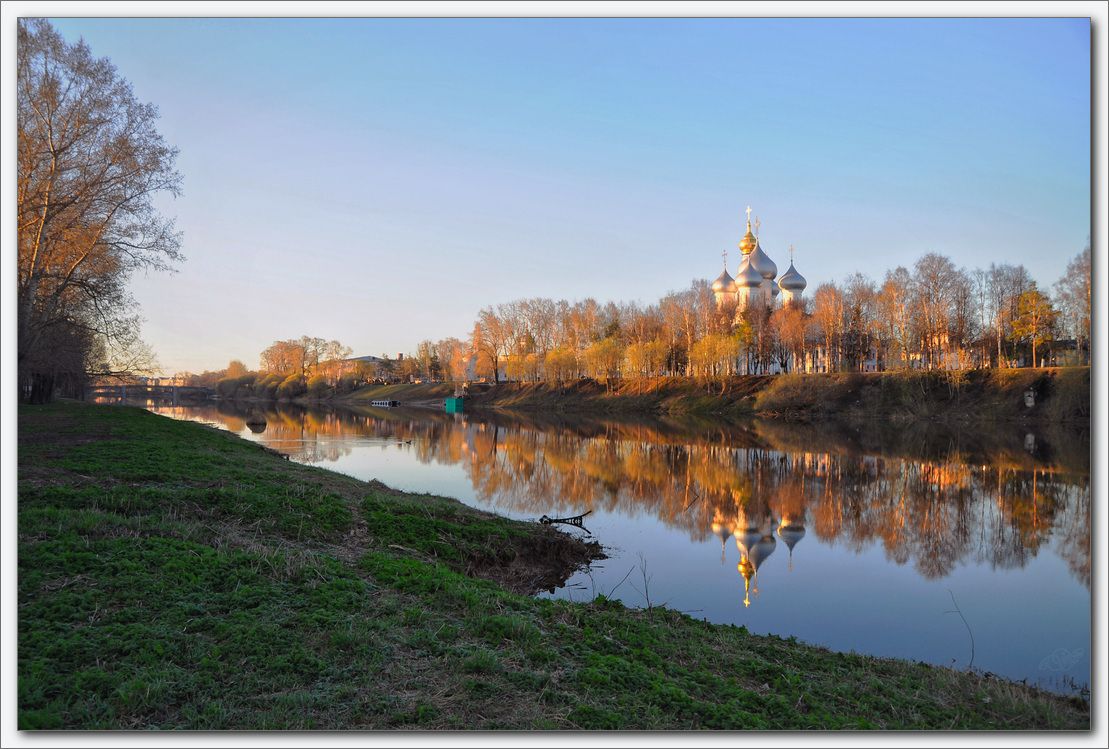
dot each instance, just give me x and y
(792, 280)
(748, 571)
(747, 244)
(724, 285)
(747, 277)
(791, 532)
(761, 550)
(722, 531)
(746, 540)
(762, 262)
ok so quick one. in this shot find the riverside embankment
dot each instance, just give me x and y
(1056, 395)
(176, 576)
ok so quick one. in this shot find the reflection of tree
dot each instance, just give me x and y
(936, 513)
(1074, 526)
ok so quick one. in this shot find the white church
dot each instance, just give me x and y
(754, 285)
(754, 282)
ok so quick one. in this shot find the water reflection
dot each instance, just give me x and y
(856, 539)
(981, 499)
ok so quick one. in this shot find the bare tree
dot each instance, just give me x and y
(790, 323)
(1007, 284)
(428, 360)
(674, 316)
(452, 359)
(540, 315)
(962, 322)
(935, 281)
(641, 324)
(281, 356)
(583, 324)
(90, 163)
(828, 316)
(490, 341)
(859, 301)
(1073, 293)
(979, 286)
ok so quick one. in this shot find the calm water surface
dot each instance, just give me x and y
(945, 547)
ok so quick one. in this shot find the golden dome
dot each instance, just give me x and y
(748, 571)
(748, 242)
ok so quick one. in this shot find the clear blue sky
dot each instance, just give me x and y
(379, 180)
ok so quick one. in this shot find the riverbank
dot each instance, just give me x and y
(176, 576)
(1055, 395)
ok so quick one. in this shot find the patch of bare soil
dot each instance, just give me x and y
(544, 561)
(57, 428)
(53, 434)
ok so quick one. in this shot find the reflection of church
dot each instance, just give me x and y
(755, 538)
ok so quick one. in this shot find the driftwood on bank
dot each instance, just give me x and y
(575, 520)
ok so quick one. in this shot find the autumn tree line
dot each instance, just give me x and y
(930, 317)
(935, 316)
(290, 369)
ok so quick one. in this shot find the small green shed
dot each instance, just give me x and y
(454, 405)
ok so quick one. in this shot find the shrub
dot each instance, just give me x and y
(317, 386)
(349, 382)
(237, 387)
(294, 386)
(268, 385)
(1070, 396)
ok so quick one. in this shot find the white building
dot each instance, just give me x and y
(754, 282)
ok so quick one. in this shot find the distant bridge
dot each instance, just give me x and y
(168, 394)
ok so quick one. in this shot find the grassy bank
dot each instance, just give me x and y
(175, 576)
(1057, 395)
(1060, 395)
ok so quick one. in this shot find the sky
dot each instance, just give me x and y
(378, 181)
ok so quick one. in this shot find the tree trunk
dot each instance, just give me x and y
(42, 389)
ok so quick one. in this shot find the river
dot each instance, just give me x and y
(951, 547)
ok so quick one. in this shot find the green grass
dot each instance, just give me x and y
(173, 576)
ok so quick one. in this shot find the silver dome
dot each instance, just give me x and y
(725, 284)
(762, 262)
(748, 277)
(792, 280)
